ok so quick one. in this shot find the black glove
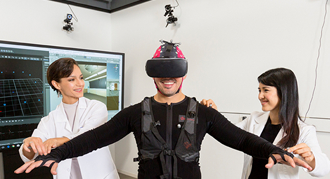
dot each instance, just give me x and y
(45, 158)
(281, 153)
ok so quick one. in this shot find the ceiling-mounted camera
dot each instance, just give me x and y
(169, 12)
(69, 25)
(68, 18)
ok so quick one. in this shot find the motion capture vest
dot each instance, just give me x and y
(153, 145)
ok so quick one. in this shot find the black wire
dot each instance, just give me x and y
(317, 60)
(75, 17)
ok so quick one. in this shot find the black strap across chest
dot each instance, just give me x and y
(153, 145)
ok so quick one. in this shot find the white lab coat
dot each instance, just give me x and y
(255, 123)
(90, 114)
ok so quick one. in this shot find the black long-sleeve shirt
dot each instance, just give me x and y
(269, 133)
(129, 120)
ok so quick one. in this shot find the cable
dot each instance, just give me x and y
(75, 17)
(176, 5)
(317, 60)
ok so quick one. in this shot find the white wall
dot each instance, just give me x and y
(41, 22)
(228, 44)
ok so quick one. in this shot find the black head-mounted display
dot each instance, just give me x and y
(167, 62)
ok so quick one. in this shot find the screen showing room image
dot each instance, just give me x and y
(102, 82)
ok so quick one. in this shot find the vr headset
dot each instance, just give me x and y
(167, 67)
(167, 62)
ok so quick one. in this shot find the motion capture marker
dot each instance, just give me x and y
(13, 71)
(29, 74)
(22, 71)
(38, 99)
(179, 126)
(35, 81)
(1, 71)
(25, 102)
(4, 104)
(13, 91)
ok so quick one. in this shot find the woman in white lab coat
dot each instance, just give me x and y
(72, 117)
(281, 124)
(278, 94)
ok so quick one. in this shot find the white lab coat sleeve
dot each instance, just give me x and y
(20, 151)
(42, 132)
(98, 116)
(322, 163)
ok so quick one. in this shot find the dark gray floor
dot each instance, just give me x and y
(122, 176)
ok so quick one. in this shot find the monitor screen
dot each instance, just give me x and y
(26, 97)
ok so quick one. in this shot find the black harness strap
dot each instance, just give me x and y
(156, 146)
(165, 150)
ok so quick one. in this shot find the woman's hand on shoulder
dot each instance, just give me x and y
(209, 103)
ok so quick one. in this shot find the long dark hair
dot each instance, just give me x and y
(60, 68)
(285, 82)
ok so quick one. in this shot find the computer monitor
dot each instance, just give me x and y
(26, 97)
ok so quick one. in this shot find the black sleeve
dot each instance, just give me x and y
(230, 135)
(113, 130)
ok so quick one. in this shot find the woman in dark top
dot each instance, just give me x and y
(281, 125)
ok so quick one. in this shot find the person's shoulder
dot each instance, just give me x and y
(256, 117)
(89, 101)
(133, 108)
(136, 106)
(305, 127)
(51, 115)
(202, 109)
(200, 106)
(207, 112)
(59, 108)
(307, 132)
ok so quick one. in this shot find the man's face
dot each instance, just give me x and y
(168, 86)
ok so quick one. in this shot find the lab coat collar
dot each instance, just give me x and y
(63, 118)
(260, 123)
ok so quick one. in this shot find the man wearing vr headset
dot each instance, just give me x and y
(168, 128)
